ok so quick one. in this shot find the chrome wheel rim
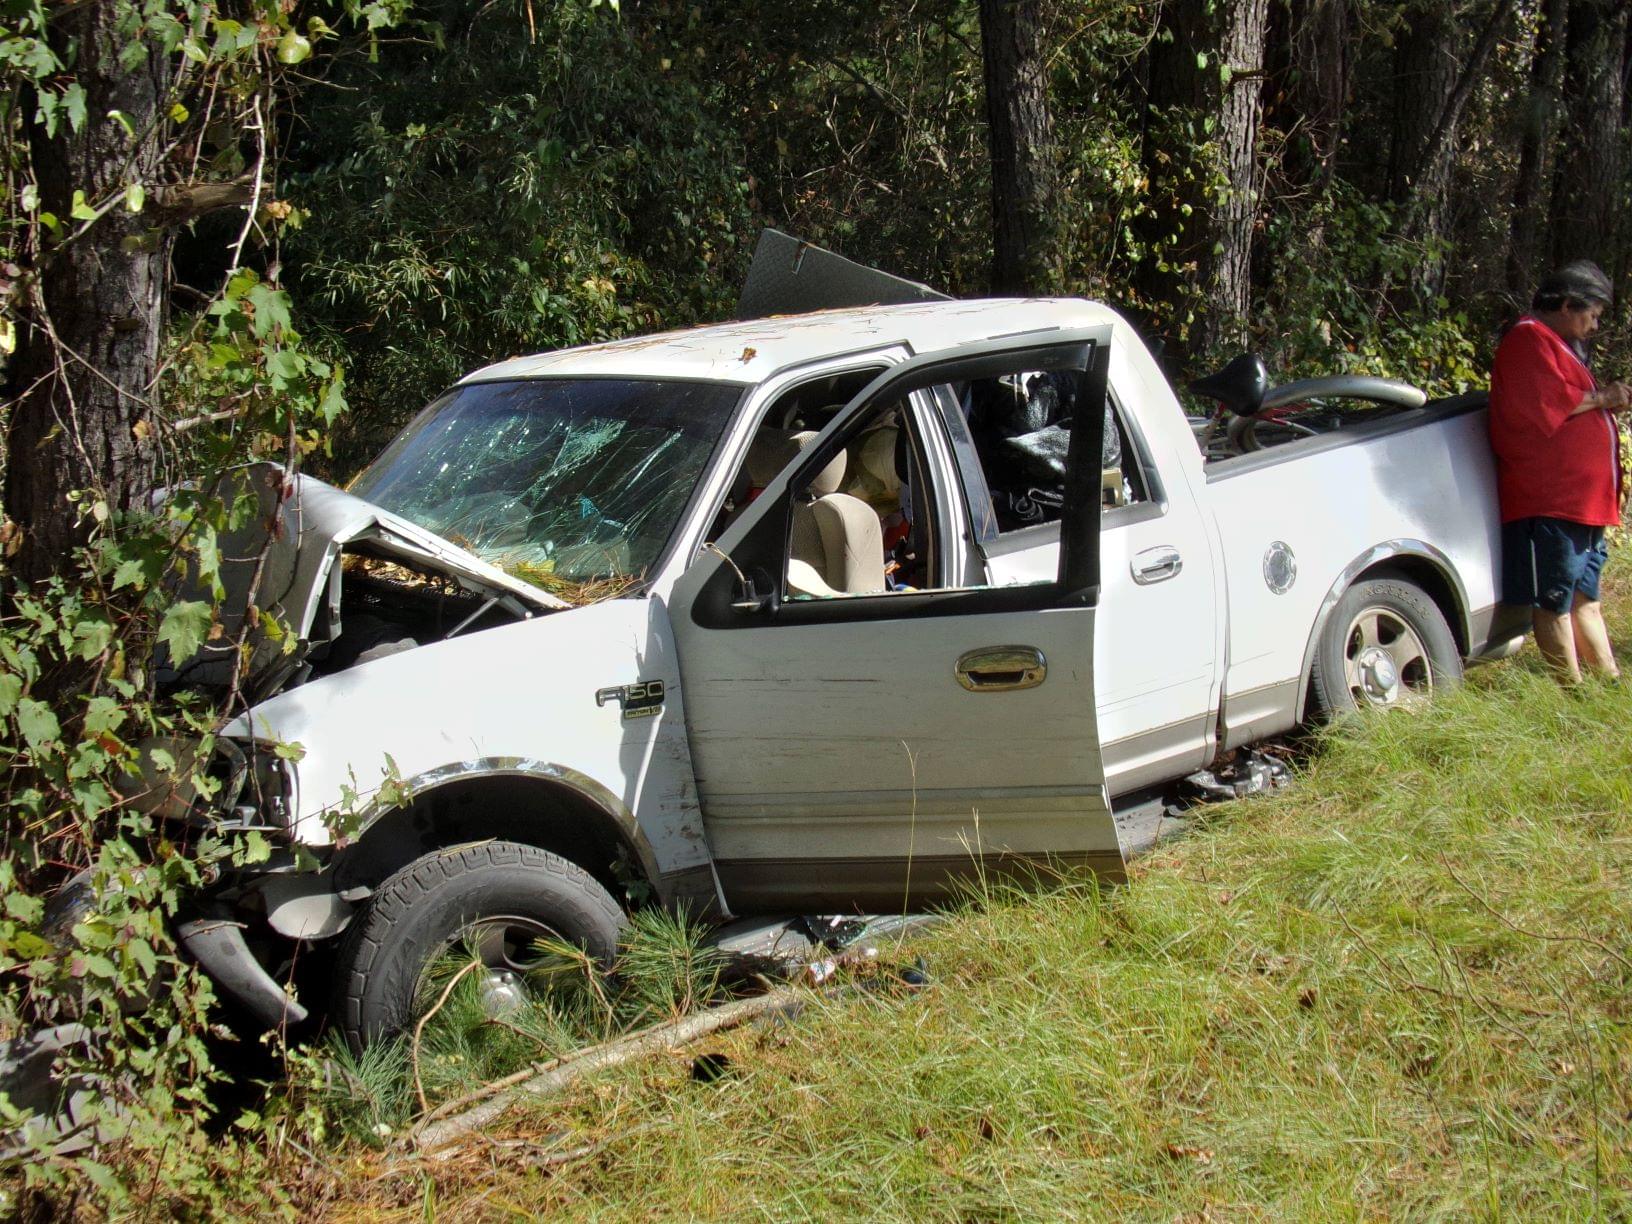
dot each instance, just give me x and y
(507, 946)
(1384, 660)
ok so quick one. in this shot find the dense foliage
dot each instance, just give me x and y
(222, 220)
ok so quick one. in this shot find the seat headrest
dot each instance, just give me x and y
(830, 477)
(770, 452)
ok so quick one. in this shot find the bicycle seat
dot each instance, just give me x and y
(1239, 386)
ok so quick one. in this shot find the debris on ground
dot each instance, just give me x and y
(1249, 771)
(810, 947)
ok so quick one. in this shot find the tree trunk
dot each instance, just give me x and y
(1316, 90)
(1020, 135)
(1587, 202)
(1427, 55)
(1242, 49)
(1206, 64)
(1540, 115)
(88, 348)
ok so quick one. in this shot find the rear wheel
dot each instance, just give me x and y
(1385, 644)
(497, 898)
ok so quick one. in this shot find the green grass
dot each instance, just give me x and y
(1400, 989)
(663, 971)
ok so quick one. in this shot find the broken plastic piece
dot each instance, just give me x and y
(1251, 772)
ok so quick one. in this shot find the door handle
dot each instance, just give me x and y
(1000, 669)
(1156, 564)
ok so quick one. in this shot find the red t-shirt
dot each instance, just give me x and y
(1549, 463)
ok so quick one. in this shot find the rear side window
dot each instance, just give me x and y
(1012, 436)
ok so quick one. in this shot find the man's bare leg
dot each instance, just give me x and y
(1592, 646)
(1555, 637)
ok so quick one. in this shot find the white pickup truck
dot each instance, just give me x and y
(811, 613)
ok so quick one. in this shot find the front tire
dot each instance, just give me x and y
(495, 895)
(1385, 644)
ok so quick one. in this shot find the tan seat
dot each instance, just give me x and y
(838, 544)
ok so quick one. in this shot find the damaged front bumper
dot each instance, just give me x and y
(219, 947)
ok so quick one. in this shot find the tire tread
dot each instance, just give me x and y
(419, 882)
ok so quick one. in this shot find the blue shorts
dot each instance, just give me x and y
(1547, 562)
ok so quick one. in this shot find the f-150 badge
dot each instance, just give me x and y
(638, 700)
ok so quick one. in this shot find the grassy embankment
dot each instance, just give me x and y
(1400, 989)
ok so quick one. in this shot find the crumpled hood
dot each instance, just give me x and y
(322, 519)
(289, 552)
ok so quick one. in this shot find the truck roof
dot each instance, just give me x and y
(750, 351)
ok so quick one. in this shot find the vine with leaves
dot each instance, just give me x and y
(127, 127)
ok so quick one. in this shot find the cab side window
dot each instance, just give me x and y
(862, 521)
(856, 525)
(1019, 428)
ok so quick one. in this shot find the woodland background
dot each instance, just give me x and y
(1348, 184)
(276, 228)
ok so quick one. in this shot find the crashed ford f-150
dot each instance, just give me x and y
(809, 613)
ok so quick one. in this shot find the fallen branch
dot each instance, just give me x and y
(419, 1029)
(1543, 936)
(549, 1078)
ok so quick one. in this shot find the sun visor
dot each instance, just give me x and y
(789, 276)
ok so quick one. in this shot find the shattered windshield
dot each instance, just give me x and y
(574, 485)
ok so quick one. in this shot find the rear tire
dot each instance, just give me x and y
(1385, 644)
(425, 909)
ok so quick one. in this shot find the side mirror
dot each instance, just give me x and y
(749, 596)
(751, 599)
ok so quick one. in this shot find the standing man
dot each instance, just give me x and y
(1558, 468)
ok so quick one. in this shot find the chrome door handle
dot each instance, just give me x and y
(1000, 669)
(1156, 564)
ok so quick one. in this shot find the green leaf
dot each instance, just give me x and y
(38, 724)
(178, 113)
(135, 197)
(45, 112)
(81, 211)
(240, 283)
(29, 946)
(92, 638)
(30, 197)
(271, 309)
(142, 953)
(123, 120)
(130, 572)
(255, 849)
(102, 714)
(284, 366)
(333, 402)
(208, 550)
(99, 965)
(292, 48)
(271, 626)
(11, 688)
(184, 628)
(104, 1178)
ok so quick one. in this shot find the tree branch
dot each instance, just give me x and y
(182, 202)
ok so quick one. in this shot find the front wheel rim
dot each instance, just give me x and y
(1385, 662)
(509, 947)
